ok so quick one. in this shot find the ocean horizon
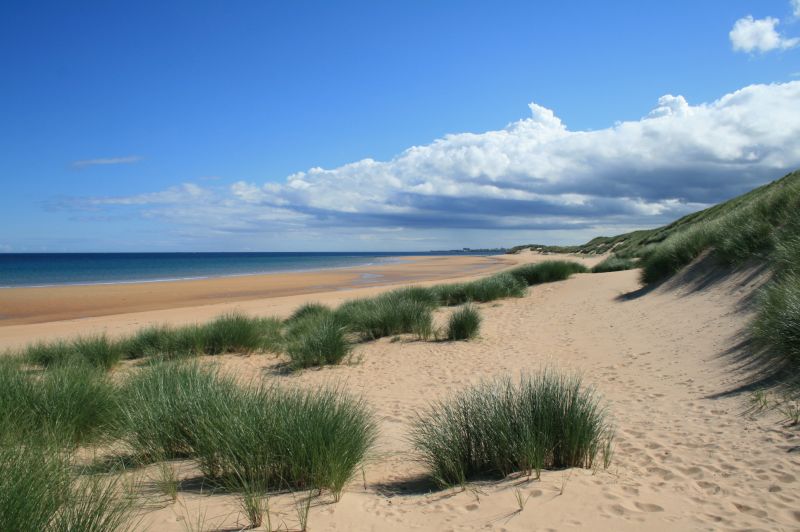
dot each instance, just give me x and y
(19, 270)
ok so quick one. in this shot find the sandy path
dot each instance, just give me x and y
(683, 460)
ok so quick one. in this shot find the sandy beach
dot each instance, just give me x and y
(54, 303)
(689, 454)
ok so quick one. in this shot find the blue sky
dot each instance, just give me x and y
(177, 125)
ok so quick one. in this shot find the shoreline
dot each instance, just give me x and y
(41, 305)
(390, 260)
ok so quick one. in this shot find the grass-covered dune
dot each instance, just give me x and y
(761, 226)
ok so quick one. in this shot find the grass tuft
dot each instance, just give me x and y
(500, 427)
(308, 309)
(246, 435)
(777, 323)
(166, 342)
(286, 438)
(614, 264)
(396, 312)
(547, 271)
(464, 323)
(38, 491)
(71, 404)
(237, 333)
(490, 288)
(161, 408)
(97, 351)
(316, 339)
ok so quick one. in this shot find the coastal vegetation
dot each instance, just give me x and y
(316, 339)
(614, 263)
(760, 227)
(464, 323)
(547, 271)
(62, 396)
(499, 427)
(70, 404)
(396, 312)
(40, 490)
(245, 436)
(314, 335)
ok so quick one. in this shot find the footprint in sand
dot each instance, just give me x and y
(709, 486)
(749, 510)
(647, 507)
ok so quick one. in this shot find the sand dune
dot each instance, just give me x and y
(688, 455)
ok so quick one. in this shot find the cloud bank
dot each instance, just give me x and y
(534, 179)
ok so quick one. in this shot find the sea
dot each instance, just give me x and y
(51, 269)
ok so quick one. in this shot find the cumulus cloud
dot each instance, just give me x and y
(129, 159)
(534, 177)
(759, 35)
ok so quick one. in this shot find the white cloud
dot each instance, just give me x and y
(796, 8)
(185, 192)
(129, 159)
(533, 178)
(759, 35)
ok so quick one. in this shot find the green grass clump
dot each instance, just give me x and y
(286, 438)
(673, 254)
(308, 309)
(34, 483)
(246, 436)
(162, 407)
(316, 339)
(38, 491)
(229, 333)
(70, 404)
(166, 342)
(464, 323)
(614, 264)
(777, 324)
(490, 288)
(547, 271)
(237, 333)
(501, 427)
(97, 351)
(396, 312)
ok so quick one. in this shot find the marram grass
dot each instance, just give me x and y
(498, 286)
(72, 404)
(614, 264)
(247, 435)
(542, 421)
(547, 271)
(228, 333)
(395, 312)
(316, 339)
(40, 491)
(464, 323)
